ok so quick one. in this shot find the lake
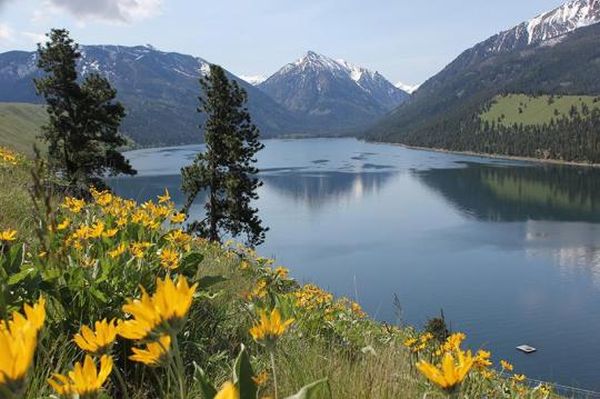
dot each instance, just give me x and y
(509, 250)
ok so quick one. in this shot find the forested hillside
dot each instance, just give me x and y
(445, 112)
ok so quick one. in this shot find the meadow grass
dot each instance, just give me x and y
(20, 126)
(534, 110)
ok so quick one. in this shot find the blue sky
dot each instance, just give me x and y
(406, 41)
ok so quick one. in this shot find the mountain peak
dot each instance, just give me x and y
(546, 27)
(571, 15)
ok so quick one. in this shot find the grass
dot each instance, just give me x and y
(20, 125)
(534, 110)
(15, 202)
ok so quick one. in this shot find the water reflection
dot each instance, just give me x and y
(573, 247)
(313, 189)
(317, 189)
(494, 193)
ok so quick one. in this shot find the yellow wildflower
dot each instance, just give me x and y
(178, 217)
(155, 353)
(138, 249)
(281, 272)
(85, 380)
(169, 258)
(166, 197)
(64, 224)
(100, 339)
(270, 327)
(544, 389)
(506, 365)
(18, 339)
(180, 239)
(96, 230)
(261, 378)
(244, 265)
(487, 374)
(228, 391)
(453, 342)
(518, 377)
(409, 342)
(110, 233)
(8, 235)
(118, 251)
(451, 372)
(73, 204)
(168, 306)
(482, 359)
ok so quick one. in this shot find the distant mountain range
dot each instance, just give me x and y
(557, 52)
(160, 89)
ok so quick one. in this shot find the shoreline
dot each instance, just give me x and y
(495, 156)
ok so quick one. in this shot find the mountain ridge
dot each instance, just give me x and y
(505, 62)
(158, 88)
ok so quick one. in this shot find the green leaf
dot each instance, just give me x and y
(242, 375)
(310, 391)
(15, 255)
(192, 259)
(207, 389)
(20, 276)
(207, 281)
(98, 294)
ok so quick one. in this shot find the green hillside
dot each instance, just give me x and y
(20, 125)
(535, 110)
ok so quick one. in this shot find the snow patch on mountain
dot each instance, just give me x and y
(566, 18)
(407, 87)
(253, 79)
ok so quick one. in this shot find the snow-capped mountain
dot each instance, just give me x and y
(254, 80)
(553, 24)
(338, 94)
(159, 90)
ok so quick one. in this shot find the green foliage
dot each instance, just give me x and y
(511, 109)
(226, 168)
(82, 131)
(438, 328)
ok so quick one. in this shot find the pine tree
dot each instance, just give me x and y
(83, 128)
(225, 170)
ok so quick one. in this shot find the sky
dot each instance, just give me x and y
(407, 41)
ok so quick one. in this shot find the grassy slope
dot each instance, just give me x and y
(535, 110)
(20, 125)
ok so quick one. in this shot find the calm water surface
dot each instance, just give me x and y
(509, 250)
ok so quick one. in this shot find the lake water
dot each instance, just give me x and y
(509, 250)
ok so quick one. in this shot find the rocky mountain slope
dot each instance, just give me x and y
(334, 94)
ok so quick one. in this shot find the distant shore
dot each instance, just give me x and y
(497, 156)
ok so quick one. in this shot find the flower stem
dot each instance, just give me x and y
(179, 366)
(272, 355)
(121, 382)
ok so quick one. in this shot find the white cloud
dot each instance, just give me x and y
(6, 33)
(120, 11)
(34, 37)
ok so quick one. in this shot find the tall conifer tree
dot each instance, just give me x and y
(225, 170)
(83, 128)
